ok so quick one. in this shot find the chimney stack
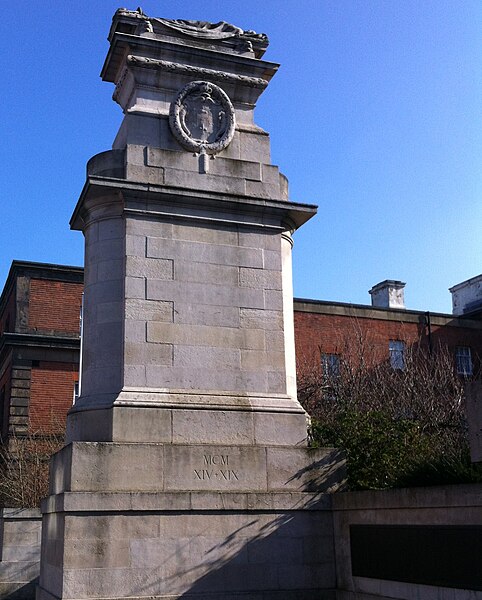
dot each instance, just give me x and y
(388, 294)
(467, 296)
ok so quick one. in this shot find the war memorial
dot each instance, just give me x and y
(186, 472)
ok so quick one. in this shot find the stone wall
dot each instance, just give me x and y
(450, 512)
(394, 543)
(20, 533)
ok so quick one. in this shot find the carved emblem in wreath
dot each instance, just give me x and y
(202, 118)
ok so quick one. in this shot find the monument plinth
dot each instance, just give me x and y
(186, 472)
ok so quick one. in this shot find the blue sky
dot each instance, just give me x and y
(374, 115)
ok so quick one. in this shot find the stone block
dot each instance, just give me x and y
(145, 174)
(206, 273)
(14, 553)
(260, 279)
(285, 551)
(307, 576)
(190, 378)
(262, 360)
(211, 183)
(259, 189)
(317, 549)
(152, 268)
(206, 468)
(205, 335)
(280, 429)
(273, 300)
(112, 526)
(205, 294)
(136, 245)
(102, 380)
(131, 424)
(18, 590)
(267, 240)
(105, 250)
(251, 381)
(218, 501)
(135, 288)
(110, 582)
(135, 331)
(206, 357)
(149, 310)
(252, 318)
(96, 554)
(253, 146)
(203, 252)
(272, 259)
(148, 227)
(300, 469)
(270, 174)
(90, 274)
(105, 347)
(110, 229)
(277, 382)
(145, 353)
(207, 233)
(212, 427)
(109, 270)
(195, 314)
(91, 425)
(241, 169)
(110, 312)
(103, 467)
(135, 375)
(105, 291)
(18, 571)
(160, 157)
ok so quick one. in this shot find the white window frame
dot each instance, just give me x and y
(396, 349)
(463, 361)
(330, 364)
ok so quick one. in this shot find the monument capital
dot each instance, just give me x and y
(151, 60)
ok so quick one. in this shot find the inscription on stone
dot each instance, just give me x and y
(216, 468)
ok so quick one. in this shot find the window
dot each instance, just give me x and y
(76, 392)
(463, 360)
(330, 363)
(396, 349)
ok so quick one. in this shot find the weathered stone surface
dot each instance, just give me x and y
(173, 485)
(20, 532)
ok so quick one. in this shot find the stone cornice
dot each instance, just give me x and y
(360, 311)
(104, 190)
(39, 340)
(211, 74)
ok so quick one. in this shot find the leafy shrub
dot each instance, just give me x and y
(398, 427)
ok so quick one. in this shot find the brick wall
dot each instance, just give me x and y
(54, 306)
(51, 394)
(348, 335)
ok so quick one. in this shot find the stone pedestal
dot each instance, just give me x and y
(187, 472)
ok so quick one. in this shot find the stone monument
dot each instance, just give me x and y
(186, 472)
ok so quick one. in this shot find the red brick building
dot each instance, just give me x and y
(326, 332)
(39, 339)
(39, 346)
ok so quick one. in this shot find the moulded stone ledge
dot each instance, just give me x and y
(185, 501)
(155, 468)
(314, 594)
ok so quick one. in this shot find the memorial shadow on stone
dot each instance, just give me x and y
(283, 547)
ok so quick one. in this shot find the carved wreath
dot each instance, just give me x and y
(202, 118)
